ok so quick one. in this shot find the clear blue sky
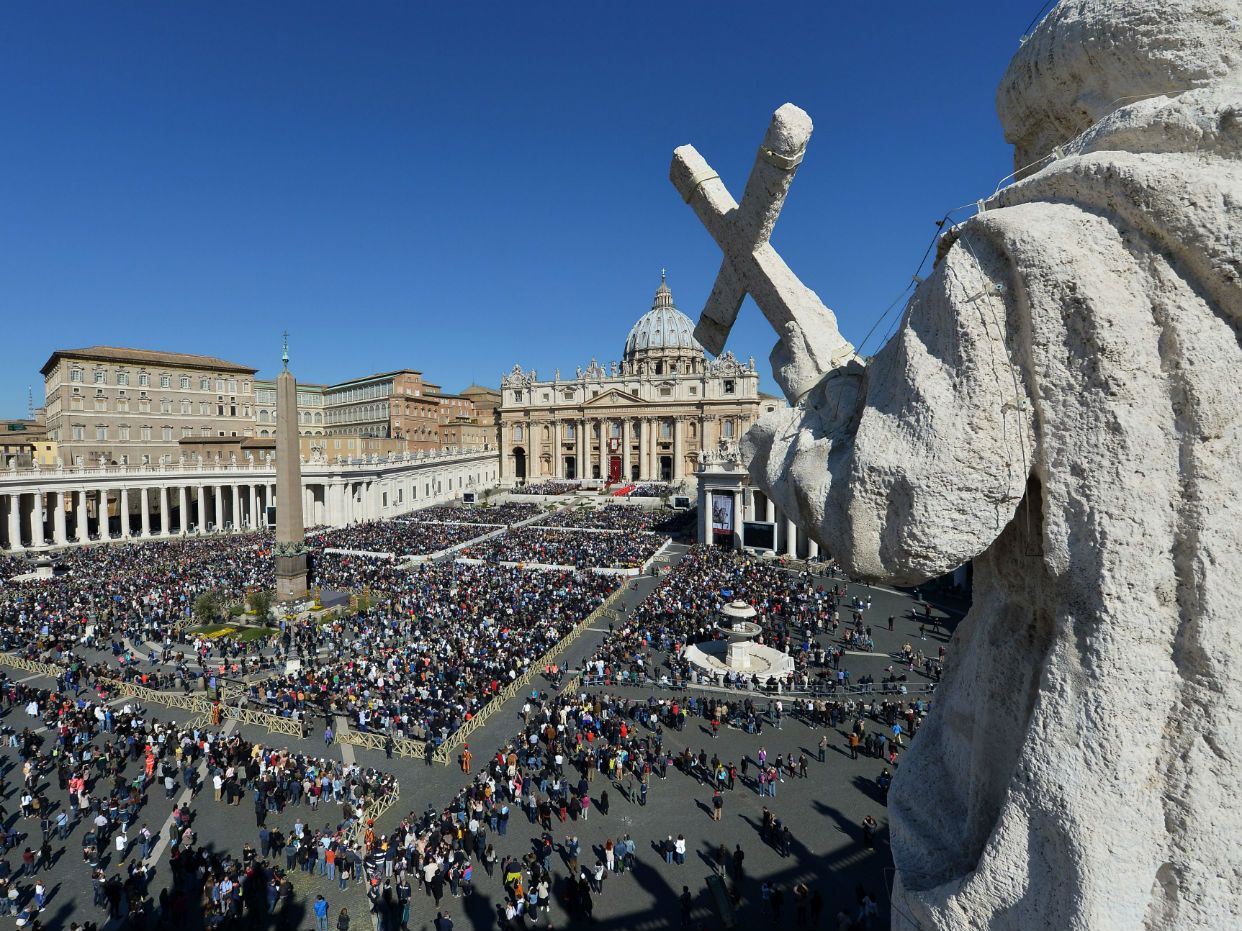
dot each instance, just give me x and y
(458, 187)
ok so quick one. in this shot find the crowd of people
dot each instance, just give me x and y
(549, 487)
(401, 538)
(446, 639)
(504, 514)
(581, 549)
(627, 517)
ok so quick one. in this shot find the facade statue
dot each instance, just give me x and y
(1062, 404)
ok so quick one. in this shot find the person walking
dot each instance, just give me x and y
(321, 913)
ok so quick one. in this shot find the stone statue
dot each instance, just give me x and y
(1061, 405)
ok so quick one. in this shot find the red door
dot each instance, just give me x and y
(614, 469)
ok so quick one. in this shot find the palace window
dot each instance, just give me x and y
(143, 379)
(76, 376)
(726, 429)
(123, 432)
(165, 381)
(101, 377)
(166, 433)
(165, 406)
(79, 432)
(122, 378)
(186, 406)
(145, 434)
(187, 431)
(185, 381)
(101, 432)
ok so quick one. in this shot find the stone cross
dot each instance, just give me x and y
(810, 343)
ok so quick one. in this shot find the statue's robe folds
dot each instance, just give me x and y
(1062, 405)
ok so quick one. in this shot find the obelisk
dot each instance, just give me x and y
(290, 551)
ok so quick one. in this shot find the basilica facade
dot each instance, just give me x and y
(649, 417)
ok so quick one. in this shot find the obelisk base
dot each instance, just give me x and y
(290, 577)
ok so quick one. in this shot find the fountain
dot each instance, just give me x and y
(737, 650)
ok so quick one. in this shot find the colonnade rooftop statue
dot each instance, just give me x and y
(1062, 404)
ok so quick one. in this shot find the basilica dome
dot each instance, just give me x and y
(664, 327)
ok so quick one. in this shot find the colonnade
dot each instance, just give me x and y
(750, 504)
(64, 507)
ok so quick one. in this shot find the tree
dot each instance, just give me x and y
(207, 607)
(261, 604)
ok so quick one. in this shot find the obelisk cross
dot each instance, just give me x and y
(810, 343)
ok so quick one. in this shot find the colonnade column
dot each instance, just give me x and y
(255, 523)
(791, 538)
(80, 513)
(58, 519)
(37, 537)
(705, 517)
(122, 510)
(15, 522)
(739, 506)
(812, 548)
(218, 512)
(165, 520)
(143, 503)
(183, 502)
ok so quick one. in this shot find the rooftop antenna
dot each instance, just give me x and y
(284, 356)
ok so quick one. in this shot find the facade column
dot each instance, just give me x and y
(144, 502)
(644, 448)
(558, 461)
(627, 428)
(679, 447)
(58, 518)
(15, 524)
(581, 467)
(37, 537)
(705, 516)
(603, 449)
(183, 501)
(80, 512)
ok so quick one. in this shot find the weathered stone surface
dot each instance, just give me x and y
(1063, 404)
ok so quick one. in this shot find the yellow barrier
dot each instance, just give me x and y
(401, 746)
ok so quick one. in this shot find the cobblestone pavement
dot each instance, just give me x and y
(824, 812)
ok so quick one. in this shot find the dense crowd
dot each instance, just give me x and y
(507, 513)
(398, 537)
(793, 611)
(548, 488)
(626, 517)
(446, 639)
(650, 490)
(566, 547)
